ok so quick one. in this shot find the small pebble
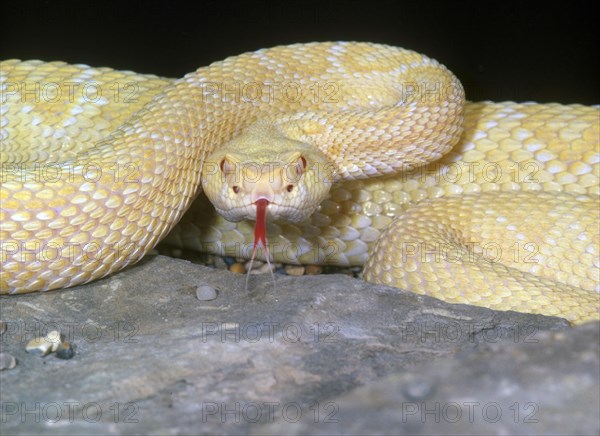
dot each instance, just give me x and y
(220, 263)
(256, 265)
(7, 361)
(54, 339)
(39, 346)
(263, 269)
(294, 270)
(313, 270)
(237, 268)
(418, 390)
(206, 293)
(229, 260)
(65, 351)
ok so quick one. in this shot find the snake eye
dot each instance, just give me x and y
(228, 166)
(289, 188)
(224, 165)
(236, 189)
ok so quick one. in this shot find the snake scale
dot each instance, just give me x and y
(355, 153)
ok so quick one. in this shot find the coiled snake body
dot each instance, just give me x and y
(357, 153)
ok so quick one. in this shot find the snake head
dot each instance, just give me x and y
(290, 177)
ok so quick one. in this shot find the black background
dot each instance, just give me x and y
(506, 50)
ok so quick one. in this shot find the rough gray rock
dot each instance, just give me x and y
(153, 359)
(547, 384)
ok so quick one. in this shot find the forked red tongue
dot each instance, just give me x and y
(260, 236)
(260, 228)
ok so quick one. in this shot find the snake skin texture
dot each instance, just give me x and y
(493, 204)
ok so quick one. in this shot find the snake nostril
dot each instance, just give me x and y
(289, 188)
(236, 189)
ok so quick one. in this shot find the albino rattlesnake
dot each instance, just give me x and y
(99, 165)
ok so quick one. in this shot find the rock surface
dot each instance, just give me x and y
(322, 354)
